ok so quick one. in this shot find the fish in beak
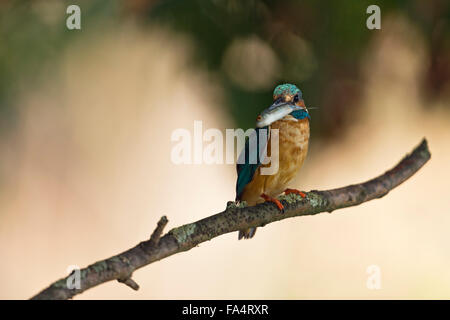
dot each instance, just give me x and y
(277, 111)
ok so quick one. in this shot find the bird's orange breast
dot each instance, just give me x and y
(293, 148)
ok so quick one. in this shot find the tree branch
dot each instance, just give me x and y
(186, 237)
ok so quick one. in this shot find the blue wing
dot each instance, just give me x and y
(250, 158)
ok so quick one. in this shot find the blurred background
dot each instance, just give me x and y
(86, 118)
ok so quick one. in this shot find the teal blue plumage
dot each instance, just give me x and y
(300, 114)
(287, 88)
(246, 170)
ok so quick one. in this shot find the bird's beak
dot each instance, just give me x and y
(275, 112)
(278, 104)
(301, 104)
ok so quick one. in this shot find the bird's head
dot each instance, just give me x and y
(287, 100)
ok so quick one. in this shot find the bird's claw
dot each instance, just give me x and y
(295, 191)
(274, 200)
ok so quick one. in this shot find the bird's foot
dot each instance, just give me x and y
(274, 200)
(295, 191)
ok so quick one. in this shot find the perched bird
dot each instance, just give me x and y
(290, 116)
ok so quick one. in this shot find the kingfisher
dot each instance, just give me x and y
(290, 116)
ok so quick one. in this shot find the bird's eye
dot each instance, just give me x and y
(296, 98)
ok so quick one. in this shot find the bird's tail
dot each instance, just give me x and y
(247, 234)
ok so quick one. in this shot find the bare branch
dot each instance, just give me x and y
(122, 266)
(130, 282)
(154, 239)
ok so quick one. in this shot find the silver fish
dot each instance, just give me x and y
(273, 113)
